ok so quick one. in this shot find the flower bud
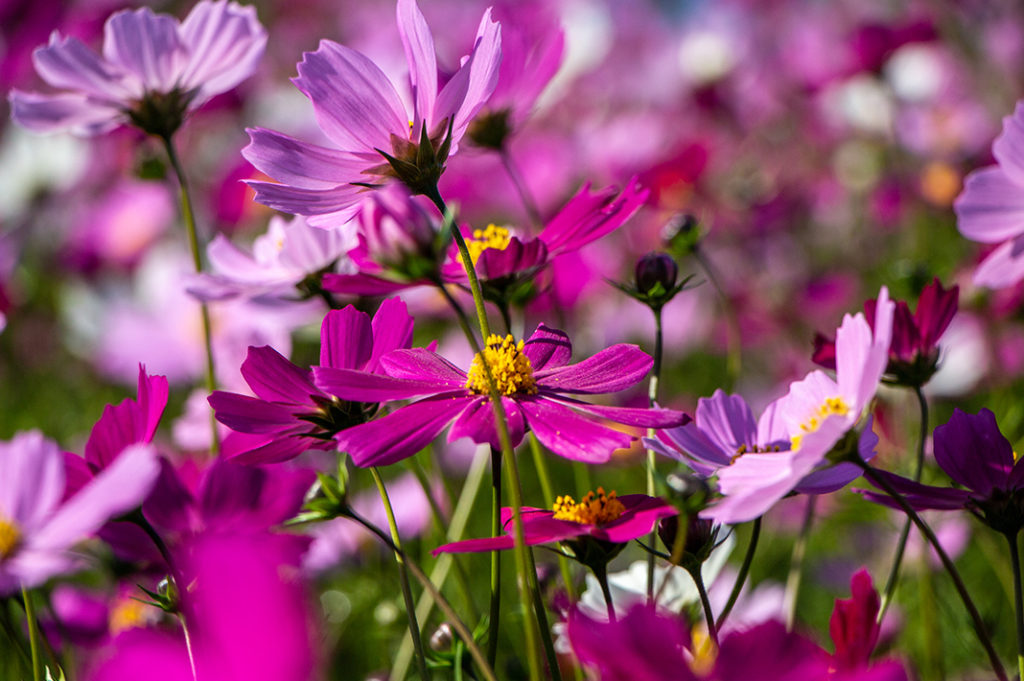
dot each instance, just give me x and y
(442, 638)
(656, 270)
(681, 234)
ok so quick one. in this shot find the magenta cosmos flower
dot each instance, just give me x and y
(289, 414)
(537, 385)
(815, 415)
(990, 209)
(375, 136)
(37, 529)
(153, 71)
(607, 518)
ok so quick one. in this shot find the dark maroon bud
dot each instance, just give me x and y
(654, 269)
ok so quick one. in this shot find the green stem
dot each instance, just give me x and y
(741, 578)
(33, 635)
(947, 563)
(188, 215)
(678, 547)
(526, 581)
(901, 544)
(496, 531)
(545, 629)
(541, 465)
(601, 572)
(652, 398)
(1018, 600)
(796, 564)
(520, 184)
(733, 340)
(410, 607)
(449, 612)
(705, 602)
(188, 646)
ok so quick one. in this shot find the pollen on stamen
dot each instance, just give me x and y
(832, 406)
(10, 538)
(492, 236)
(593, 509)
(510, 368)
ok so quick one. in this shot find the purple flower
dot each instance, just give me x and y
(153, 72)
(537, 386)
(37, 529)
(914, 352)
(606, 518)
(972, 451)
(375, 136)
(813, 416)
(289, 414)
(989, 209)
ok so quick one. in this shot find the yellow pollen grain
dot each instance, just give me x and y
(832, 406)
(127, 613)
(594, 509)
(492, 236)
(510, 368)
(10, 537)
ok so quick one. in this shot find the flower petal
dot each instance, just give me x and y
(477, 423)
(610, 370)
(275, 379)
(468, 89)
(419, 53)
(422, 364)
(323, 207)
(990, 209)
(251, 414)
(972, 451)
(64, 112)
(641, 513)
(67, 64)
(569, 434)
(31, 479)
(1002, 267)
(346, 339)
(147, 45)
(392, 330)
(548, 348)
(302, 164)
(225, 42)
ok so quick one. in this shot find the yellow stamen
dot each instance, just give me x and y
(128, 613)
(510, 368)
(703, 649)
(831, 406)
(592, 510)
(10, 538)
(492, 237)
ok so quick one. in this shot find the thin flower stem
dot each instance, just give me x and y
(678, 547)
(439, 573)
(796, 564)
(741, 578)
(947, 563)
(545, 629)
(1018, 600)
(496, 530)
(410, 606)
(520, 184)
(652, 398)
(15, 638)
(733, 340)
(33, 635)
(453, 617)
(705, 602)
(601, 573)
(545, 489)
(188, 215)
(901, 544)
(526, 581)
(188, 646)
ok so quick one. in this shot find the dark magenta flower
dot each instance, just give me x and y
(289, 413)
(606, 518)
(972, 451)
(914, 351)
(536, 381)
(366, 121)
(853, 627)
(153, 72)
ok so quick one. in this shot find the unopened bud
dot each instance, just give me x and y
(654, 270)
(682, 233)
(442, 638)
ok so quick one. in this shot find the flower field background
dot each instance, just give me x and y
(524, 340)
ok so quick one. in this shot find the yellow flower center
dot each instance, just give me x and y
(594, 509)
(831, 406)
(128, 613)
(10, 537)
(510, 368)
(704, 651)
(493, 236)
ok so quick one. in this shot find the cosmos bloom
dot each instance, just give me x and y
(979, 458)
(606, 518)
(290, 414)
(37, 528)
(990, 209)
(537, 386)
(374, 136)
(815, 414)
(153, 72)
(914, 353)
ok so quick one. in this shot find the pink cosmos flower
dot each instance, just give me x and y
(37, 529)
(375, 136)
(815, 415)
(153, 72)
(537, 386)
(990, 209)
(633, 517)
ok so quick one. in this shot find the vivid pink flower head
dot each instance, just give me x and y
(990, 209)
(374, 136)
(538, 388)
(153, 71)
(816, 413)
(37, 529)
